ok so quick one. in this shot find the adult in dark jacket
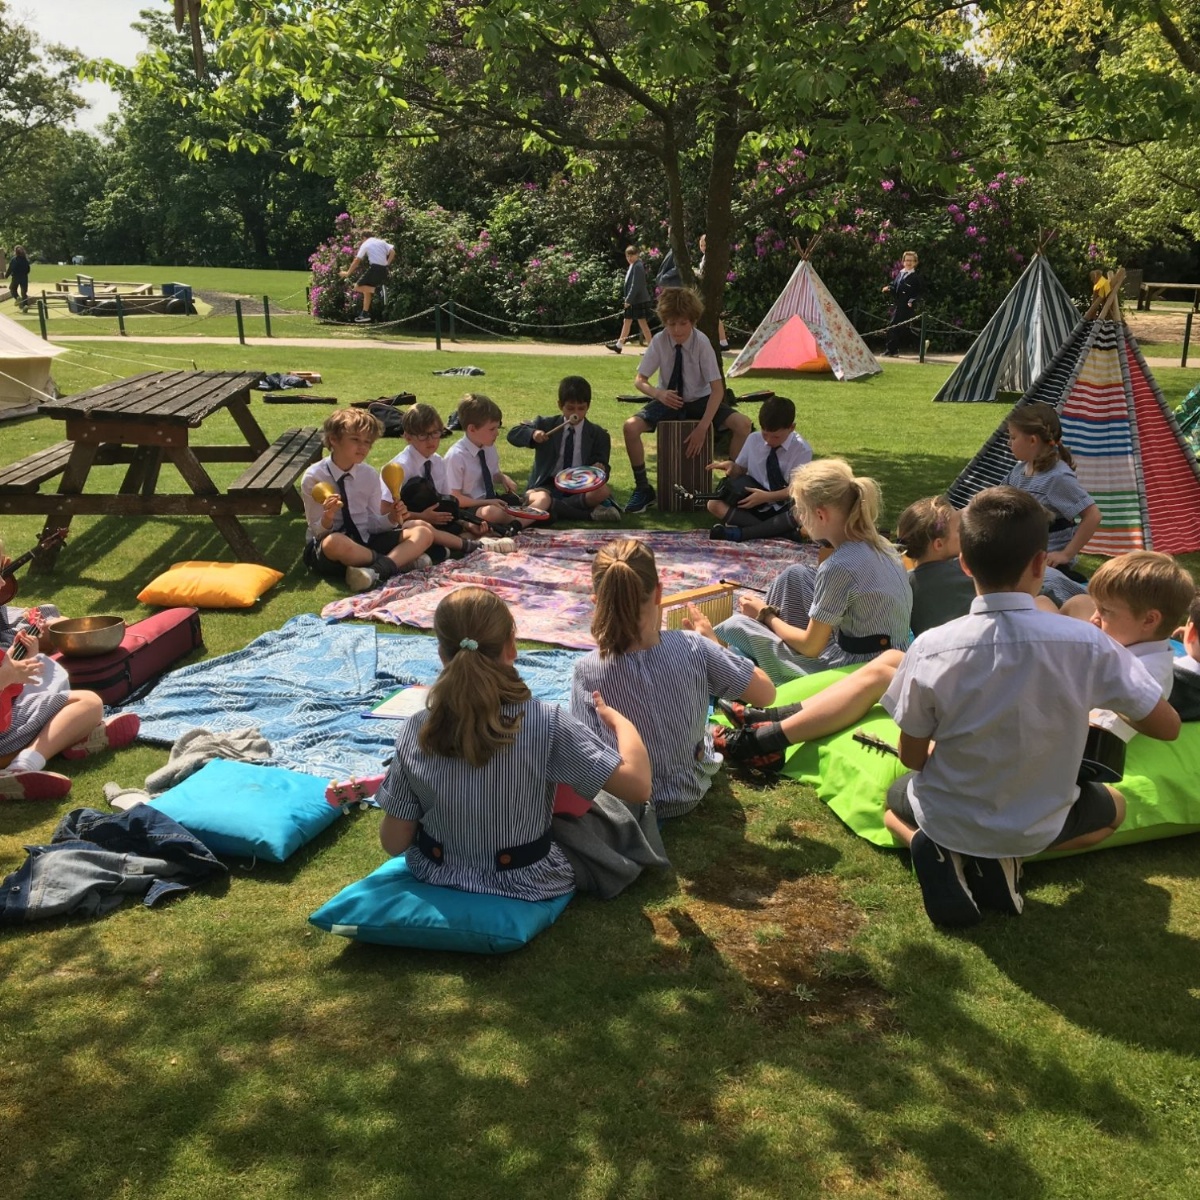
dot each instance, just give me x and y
(906, 291)
(18, 271)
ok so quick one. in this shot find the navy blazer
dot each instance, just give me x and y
(597, 447)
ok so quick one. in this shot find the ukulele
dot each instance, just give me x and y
(30, 623)
(8, 583)
(875, 743)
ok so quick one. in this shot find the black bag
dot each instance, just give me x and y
(392, 419)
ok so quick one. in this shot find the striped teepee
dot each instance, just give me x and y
(1129, 452)
(1017, 344)
(806, 330)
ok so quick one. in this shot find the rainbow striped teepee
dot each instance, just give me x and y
(1129, 452)
(806, 330)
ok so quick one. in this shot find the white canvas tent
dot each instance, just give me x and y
(806, 330)
(24, 368)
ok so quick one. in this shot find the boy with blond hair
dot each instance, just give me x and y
(355, 530)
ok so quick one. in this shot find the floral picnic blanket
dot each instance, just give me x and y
(548, 582)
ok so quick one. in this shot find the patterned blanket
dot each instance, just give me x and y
(548, 582)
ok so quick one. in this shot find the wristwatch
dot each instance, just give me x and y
(766, 614)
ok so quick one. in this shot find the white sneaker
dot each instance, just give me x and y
(362, 319)
(498, 545)
(361, 579)
(421, 563)
(607, 514)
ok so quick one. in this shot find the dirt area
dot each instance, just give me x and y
(1162, 326)
(789, 938)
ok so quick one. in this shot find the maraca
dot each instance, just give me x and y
(393, 478)
(322, 491)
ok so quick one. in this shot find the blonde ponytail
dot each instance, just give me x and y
(831, 483)
(624, 579)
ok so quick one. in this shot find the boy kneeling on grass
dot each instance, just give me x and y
(1005, 693)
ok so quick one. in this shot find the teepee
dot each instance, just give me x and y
(1017, 344)
(24, 368)
(806, 330)
(1129, 452)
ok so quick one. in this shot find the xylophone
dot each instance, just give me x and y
(714, 601)
(675, 468)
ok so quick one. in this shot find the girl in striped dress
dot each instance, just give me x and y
(1046, 469)
(661, 678)
(851, 607)
(470, 791)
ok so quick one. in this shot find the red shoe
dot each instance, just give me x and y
(353, 791)
(110, 734)
(33, 785)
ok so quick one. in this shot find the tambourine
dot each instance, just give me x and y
(523, 512)
(580, 480)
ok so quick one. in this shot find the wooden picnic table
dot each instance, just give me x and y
(1156, 291)
(149, 419)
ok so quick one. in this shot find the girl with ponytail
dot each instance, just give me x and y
(470, 791)
(851, 607)
(661, 678)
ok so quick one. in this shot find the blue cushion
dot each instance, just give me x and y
(249, 811)
(391, 908)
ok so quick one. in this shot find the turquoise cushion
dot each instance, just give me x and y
(247, 811)
(392, 908)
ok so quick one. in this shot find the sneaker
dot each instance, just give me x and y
(724, 533)
(744, 714)
(421, 563)
(509, 530)
(110, 734)
(948, 899)
(361, 579)
(607, 513)
(642, 499)
(615, 347)
(33, 785)
(995, 883)
(498, 545)
(362, 319)
(724, 347)
(742, 750)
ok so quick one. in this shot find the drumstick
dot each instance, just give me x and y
(572, 420)
(745, 586)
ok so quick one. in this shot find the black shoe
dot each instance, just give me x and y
(741, 749)
(995, 883)
(724, 533)
(948, 899)
(615, 347)
(743, 715)
(642, 499)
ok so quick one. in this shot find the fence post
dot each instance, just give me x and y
(42, 319)
(921, 355)
(237, 309)
(267, 314)
(437, 324)
(121, 315)
(450, 312)
(1187, 337)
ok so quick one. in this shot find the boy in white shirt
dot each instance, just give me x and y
(759, 504)
(1185, 696)
(1005, 692)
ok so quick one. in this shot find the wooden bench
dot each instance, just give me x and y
(278, 467)
(30, 473)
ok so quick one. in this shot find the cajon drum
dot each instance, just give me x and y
(714, 601)
(675, 467)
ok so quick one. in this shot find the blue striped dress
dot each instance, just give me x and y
(664, 691)
(858, 589)
(1058, 490)
(36, 703)
(474, 812)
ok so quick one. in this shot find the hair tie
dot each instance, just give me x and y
(468, 644)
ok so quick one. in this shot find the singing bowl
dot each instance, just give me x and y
(82, 636)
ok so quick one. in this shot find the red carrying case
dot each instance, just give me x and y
(148, 648)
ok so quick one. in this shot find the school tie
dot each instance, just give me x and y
(489, 489)
(429, 470)
(348, 526)
(676, 383)
(775, 479)
(569, 447)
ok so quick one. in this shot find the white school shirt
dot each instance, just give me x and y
(364, 492)
(463, 472)
(1005, 693)
(699, 363)
(413, 463)
(375, 251)
(1159, 659)
(1185, 662)
(794, 452)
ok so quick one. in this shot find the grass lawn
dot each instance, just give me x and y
(773, 1018)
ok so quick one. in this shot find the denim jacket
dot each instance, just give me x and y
(96, 859)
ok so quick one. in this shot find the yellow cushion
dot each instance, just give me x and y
(210, 585)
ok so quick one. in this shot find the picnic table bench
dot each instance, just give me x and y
(1157, 291)
(143, 422)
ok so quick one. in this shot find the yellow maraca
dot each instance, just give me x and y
(322, 491)
(393, 478)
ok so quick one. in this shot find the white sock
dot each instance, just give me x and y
(27, 760)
